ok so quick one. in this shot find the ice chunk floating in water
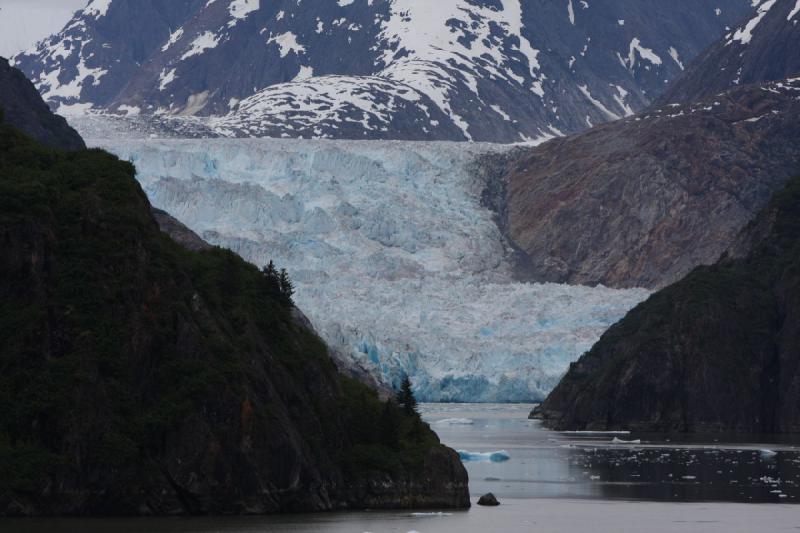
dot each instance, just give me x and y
(396, 261)
(617, 440)
(456, 422)
(494, 457)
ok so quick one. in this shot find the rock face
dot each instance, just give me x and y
(142, 377)
(23, 107)
(179, 232)
(498, 70)
(641, 201)
(763, 48)
(717, 351)
(488, 500)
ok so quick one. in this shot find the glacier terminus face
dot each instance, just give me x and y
(396, 262)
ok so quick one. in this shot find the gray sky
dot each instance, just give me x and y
(23, 22)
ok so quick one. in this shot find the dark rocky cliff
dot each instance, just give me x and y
(717, 351)
(23, 107)
(642, 201)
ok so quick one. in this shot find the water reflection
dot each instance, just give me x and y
(638, 466)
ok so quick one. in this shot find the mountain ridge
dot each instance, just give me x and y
(486, 70)
(762, 49)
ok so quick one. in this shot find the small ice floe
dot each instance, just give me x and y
(689, 477)
(493, 457)
(456, 422)
(431, 514)
(768, 453)
(616, 440)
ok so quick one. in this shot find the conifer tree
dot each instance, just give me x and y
(279, 283)
(286, 287)
(272, 277)
(269, 271)
(406, 397)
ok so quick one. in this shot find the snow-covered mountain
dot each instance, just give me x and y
(765, 47)
(499, 70)
(399, 263)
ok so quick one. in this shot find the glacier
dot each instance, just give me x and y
(397, 263)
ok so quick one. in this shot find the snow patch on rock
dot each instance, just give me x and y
(744, 34)
(205, 41)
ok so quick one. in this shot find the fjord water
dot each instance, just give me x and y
(553, 482)
(616, 466)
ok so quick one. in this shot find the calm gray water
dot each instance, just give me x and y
(638, 466)
(559, 482)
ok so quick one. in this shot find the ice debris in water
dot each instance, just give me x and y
(493, 457)
(456, 422)
(596, 432)
(617, 440)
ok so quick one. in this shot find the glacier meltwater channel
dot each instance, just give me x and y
(396, 261)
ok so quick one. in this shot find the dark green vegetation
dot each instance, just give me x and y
(279, 283)
(716, 351)
(405, 397)
(138, 377)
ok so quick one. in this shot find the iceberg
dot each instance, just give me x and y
(492, 457)
(455, 422)
(396, 261)
(617, 440)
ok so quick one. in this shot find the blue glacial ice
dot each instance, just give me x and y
(491, 457)
(396, 262)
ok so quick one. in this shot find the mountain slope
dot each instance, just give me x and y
(763, 48)
(648, 198)
(717, 351)
(642, 201)
(22, 106)
(140, 377)
(483, 70)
